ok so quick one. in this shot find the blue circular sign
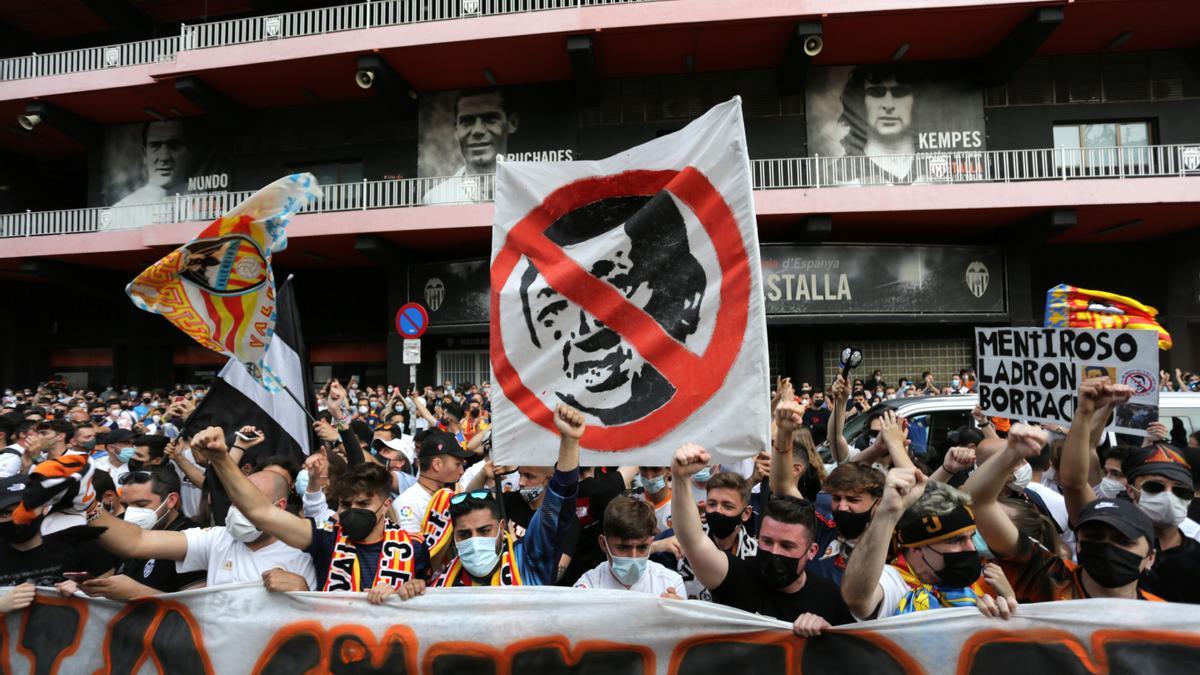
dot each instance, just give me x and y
(412, 320)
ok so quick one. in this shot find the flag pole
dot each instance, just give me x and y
(302, 406)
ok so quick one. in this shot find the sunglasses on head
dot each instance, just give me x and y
(135, 477)
(1153, 487)
(474, 494)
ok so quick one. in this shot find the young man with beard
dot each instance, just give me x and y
(487, 555)
(776, 583)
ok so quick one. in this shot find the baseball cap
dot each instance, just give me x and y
(440, 442)
(1121, 514)
(117, 436)
(1162, 459)
(11, 489)
(403, 445)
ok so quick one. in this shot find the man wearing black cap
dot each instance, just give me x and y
(440, 459)
(1161, 484)
(118, 444)
(27, 556)
(1114, 544)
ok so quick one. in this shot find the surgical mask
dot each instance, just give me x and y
(531, 494)
(1109, 488)
(1021, 477)
(701, 477)
(962, 569)
(143, 517)
(362, 409)
(655, 485)
(357, 523)
(478, 555)
(1108, 564)
(627, 570)
(956, 383)
(156, 418)
(721, 525)
(981, 546)
(126, 454)
(778, 571)
(850, 524)
(302, 482)
(89, 445)
(1164, 508)
(239, 527)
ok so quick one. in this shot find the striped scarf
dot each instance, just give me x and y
(397, 561)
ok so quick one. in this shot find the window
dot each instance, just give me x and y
(1102, 147)
(463, 367)
(1092, 78)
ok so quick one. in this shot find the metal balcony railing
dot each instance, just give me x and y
(91, 58)
(357, 16)
(994, 166)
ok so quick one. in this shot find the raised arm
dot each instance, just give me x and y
(126, 540)
(788, 415)
(257, 507)
(860, 584)
(985, 425)
(551, 524)
(838, 394)
(422, 411)
(894, 433)
(956, 461)
(986, 484)
(1094, 394)
(708, 562)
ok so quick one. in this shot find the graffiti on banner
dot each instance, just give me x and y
(245, 629)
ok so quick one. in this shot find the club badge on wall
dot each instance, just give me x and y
(977, 278)
(435, 293)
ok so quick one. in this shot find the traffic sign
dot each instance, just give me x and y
(412, 320)
(412, 351)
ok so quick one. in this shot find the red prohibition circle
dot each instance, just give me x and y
(695, 377)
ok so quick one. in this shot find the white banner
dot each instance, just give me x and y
(631, 289)
(244, 629)
(1033, 374)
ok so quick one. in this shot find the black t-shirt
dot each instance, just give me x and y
(1175, 576)
(67, 551)
(744, 589)
(321, 550)
(817, 421)
(161, 574)
(594, 495)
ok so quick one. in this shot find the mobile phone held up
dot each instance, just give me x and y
(247, 437)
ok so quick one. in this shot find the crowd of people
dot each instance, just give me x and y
(114, 494)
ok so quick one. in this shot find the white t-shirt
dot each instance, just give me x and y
(189, 495)
(894, 590)
(114, 471)
(10, 464)
(229, 561)
(411, 506)
(655, 581)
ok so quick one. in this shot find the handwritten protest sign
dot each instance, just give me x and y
(1033, 374)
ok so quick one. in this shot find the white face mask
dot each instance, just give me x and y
(1164, 508)
(1021, 478)
(143, 517)
(362, 409)
(1109, 488)
(240, 527)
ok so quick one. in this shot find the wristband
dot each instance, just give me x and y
(238, 447)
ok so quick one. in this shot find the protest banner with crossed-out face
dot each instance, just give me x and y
(630, 288)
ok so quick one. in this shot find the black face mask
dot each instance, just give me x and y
(962, 569)
(721, 525)
(850, 524)
(19, 534)
(135, 464)
(778, 571)
(1110, 565)
(357, 523)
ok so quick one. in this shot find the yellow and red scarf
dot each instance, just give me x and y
(925, 596)
(437, 527)
(397, 561)
(507, 574)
